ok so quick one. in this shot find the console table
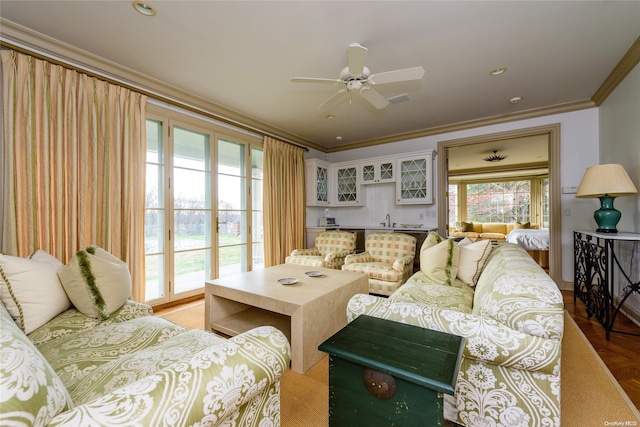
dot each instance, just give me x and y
(595, 267)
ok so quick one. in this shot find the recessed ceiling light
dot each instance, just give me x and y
(338, 138)
(497, 71)
(329, 116)
(515, 99)
(144, 7)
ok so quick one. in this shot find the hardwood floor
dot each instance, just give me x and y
(621, 353)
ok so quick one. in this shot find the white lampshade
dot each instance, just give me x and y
(610, 179)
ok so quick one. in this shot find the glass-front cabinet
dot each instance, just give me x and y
(317, 182)
(378, 171)
(415, 179)
(347, 184)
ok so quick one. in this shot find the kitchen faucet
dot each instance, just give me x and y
(388, 219)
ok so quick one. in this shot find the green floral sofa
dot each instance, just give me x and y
(512, 322)
(125, 367)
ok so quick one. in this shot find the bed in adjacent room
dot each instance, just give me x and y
(536, 242)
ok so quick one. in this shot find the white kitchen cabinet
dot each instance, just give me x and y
(415, 179)
(318, 182)
(378, 171)
(346, 182)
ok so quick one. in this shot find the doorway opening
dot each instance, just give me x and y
(507, 141)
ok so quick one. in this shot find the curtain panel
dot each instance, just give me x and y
(284, 200)
(73, 156)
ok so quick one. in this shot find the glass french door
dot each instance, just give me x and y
(240, 243)
(203, 216)
(192, 210)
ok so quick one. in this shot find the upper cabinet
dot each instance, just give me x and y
(341, 184)
(378, 171)
(318, 182)
(347, 184)
(415, 179)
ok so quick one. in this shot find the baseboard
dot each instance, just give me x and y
(566, 286)
(631, 313)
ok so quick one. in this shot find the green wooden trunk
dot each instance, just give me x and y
(384, 373)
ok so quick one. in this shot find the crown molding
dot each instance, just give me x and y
(471, 124)
(621, 70)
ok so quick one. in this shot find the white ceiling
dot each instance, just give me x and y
(242, 54)
(524, 156)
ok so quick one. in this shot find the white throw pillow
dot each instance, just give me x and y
(472, 259)
(30, 289)
(439, 259)
(96, 282)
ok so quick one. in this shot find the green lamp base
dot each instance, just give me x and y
(607, 217)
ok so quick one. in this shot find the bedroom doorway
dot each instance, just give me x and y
(506, 141)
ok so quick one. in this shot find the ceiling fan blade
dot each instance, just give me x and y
(406, 74)
(314, 80)
(374, 97)
(331, 98)
(356, 57)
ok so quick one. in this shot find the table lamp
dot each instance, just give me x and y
(606, 182)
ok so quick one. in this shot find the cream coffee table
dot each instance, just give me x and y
(307, 312)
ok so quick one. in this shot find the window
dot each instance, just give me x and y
(154, 212)
(453, 204)
(500, 201)
(200, 205)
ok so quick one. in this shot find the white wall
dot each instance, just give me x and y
(579, 140)
(620, 143)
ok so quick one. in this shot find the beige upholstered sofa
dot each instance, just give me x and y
(387, 260)
(486, 230)
(512, 322)
(126, 367)
(330, 249)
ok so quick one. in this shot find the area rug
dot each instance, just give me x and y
(590, 395)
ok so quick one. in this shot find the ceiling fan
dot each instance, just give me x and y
(356, 77)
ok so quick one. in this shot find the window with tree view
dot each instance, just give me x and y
(508, 201)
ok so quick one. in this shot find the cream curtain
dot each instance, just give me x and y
(284, 200)
(73, 164)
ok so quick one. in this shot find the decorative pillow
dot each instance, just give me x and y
(96, 282)
(472, 259)
(30, 289)
(520, 226)
(432, 239)
(439, 262)
(466, 226)
(31, 392)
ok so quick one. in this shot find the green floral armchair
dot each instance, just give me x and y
(387, 260)
(330, 249)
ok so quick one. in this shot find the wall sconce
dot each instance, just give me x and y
(606, 182)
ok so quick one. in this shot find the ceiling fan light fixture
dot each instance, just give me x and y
(495, 157)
